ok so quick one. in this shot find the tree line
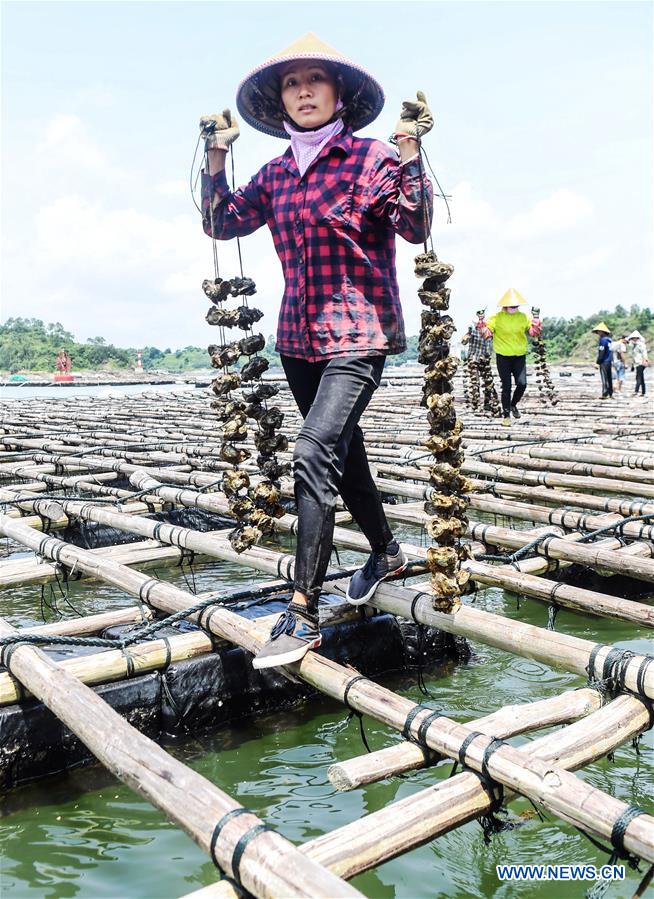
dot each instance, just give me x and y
(28, 344)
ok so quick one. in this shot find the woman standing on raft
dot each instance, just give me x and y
(334, 204)
(509, 328)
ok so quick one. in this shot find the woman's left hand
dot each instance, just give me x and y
(415, 119)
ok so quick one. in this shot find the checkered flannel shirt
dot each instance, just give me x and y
(478, 347)
(334, 232)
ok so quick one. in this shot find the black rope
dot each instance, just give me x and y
(424, 727)
(241, 810)
(130, 662)
(463, 748)
(353, 711)
(618, 850)
(241, 846)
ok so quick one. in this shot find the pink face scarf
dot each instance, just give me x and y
(307, 144)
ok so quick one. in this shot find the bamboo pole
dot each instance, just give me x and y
(270, 865)
(571, 653)
(518, 476)
(553, 788)
(637, 530)
(569, 597)
(505, 722)
(518, 460)
(423, 816)
(114, 664)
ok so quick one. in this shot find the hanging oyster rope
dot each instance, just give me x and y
(446, 504)
(544, 382)
(473, 380)
(254, 506)
(491, 399)
(242, 395)
(465, 380)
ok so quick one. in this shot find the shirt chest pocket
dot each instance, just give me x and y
(337, 202)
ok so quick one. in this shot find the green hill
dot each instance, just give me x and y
(572, 340)
(27, 344)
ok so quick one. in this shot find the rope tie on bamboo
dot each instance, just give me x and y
(412, 611)
(489, 821)
(129, 659)
(241, 810)
(618, 850)
(146, 588)
(614, 671)
(188, 556)
(288, 560)
(5, 660)
(420, 738)
(352, 681)
(169, 652)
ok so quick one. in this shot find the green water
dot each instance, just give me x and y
(86, 835)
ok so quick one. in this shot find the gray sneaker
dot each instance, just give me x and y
(293, 634)
(379, 566)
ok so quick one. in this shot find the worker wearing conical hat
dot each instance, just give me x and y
(334, 204)
(604, 359)
(509, 328)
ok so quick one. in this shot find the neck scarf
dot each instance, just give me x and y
(307, 144)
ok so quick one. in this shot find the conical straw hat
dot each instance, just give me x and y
(635, 335)
(511, 298)
(258, 98)
(602, 327)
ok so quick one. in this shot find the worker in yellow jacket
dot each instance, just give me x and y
(509, 328)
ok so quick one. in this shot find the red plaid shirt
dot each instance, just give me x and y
(334, 232)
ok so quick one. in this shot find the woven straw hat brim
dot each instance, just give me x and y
(511, 298)
(258, 99)
(603, 328)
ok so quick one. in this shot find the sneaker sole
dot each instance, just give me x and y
(285, 658)
(360, 601)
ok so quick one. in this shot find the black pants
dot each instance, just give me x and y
(330, 458)
(506, 367)
(640, 378)
(606, 374)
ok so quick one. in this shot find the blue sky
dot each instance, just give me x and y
(543, 138)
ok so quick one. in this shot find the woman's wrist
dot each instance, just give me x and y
(407, 145)
(217, 156)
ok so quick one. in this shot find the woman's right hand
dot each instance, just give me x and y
(219, 131)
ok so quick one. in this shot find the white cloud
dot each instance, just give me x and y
(72, 230)
(561, 211)
(469, 210)
(178, 188)
(586, 263)
(67, 140)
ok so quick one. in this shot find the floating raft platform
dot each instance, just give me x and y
(562, 512)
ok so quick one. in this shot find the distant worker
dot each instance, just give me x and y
(509, 328)
(63, 362)
(464, 354)
(640, 359)
(478, 351)
(619, 361)
(605, 359)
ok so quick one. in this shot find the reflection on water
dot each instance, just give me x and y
(83, 834)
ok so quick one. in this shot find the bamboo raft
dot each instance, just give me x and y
(562, 511)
